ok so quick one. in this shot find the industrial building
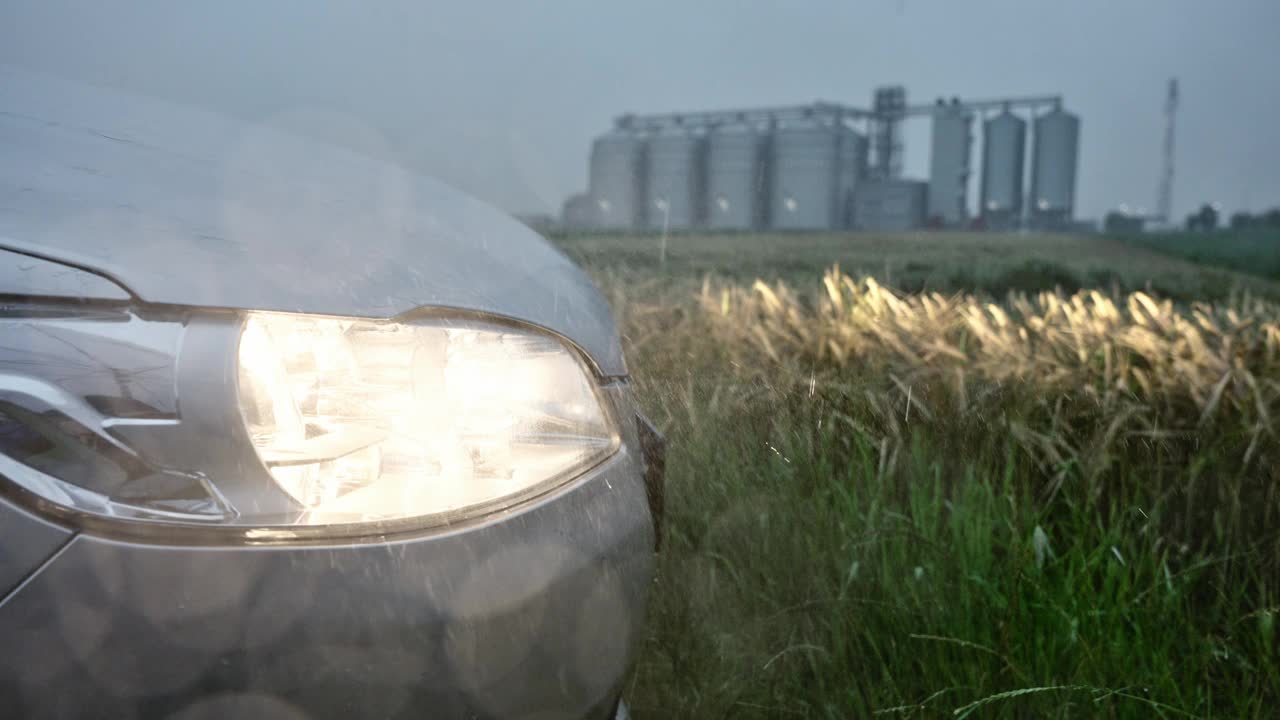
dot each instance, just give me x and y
(890, 204)
(826, 166)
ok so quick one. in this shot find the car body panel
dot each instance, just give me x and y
(186, 207)
(27, 276)
(532, 613)
(26, 541)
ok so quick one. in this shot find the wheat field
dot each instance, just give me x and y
(1028, 491)
(1136, 358)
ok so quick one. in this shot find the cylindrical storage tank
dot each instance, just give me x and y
(617, 181)
(853, 168)
(1056, 145)
(804, 176)
(675, 169)
(1004, 139)
(736, 187)
(949, 164)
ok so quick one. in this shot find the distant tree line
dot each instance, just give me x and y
(1206, 219)
(1267, 219)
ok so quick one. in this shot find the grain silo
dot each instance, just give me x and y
(803, 167)
(1055, 148)
(949, 163)
(1004, 140)
(736, 191)
(804, 176)
(853, 169)
(674, 179)
(617, 181)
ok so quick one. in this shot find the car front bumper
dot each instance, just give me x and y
(531, 613)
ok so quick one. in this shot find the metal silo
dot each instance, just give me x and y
(804, 176)
(735, 196)
(617, 181)
(949, 163)
(853, 168)
(1056, 145)
(673, 194)
(1004, 140)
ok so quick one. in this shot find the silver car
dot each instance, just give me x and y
(286, 431)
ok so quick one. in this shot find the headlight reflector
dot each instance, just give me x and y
(363, 421)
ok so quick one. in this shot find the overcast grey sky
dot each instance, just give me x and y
(503, 98)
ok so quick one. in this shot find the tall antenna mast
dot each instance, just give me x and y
(1164, 200)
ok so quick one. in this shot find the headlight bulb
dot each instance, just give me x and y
(363, 420)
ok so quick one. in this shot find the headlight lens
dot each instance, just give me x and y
(362, 421)
(281, 426)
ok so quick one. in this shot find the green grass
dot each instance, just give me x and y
(833, 550)
(808, 574)
(1255, 251)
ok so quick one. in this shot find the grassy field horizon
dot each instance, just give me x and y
(960, 476)
(994, 263)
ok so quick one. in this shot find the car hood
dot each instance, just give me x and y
(185, 207)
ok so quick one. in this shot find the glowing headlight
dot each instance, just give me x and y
(362, 420)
